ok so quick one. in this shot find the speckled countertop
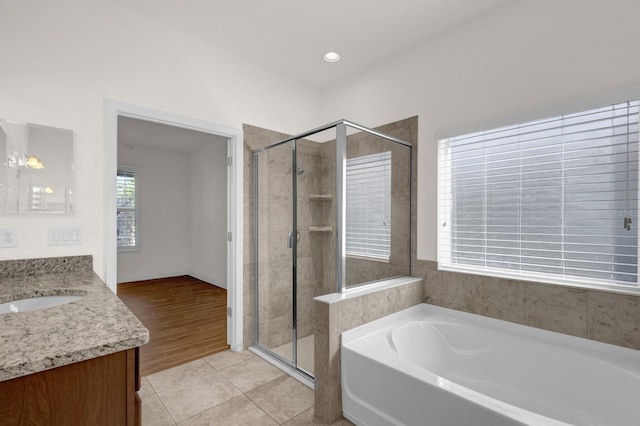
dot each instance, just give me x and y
(96, 325)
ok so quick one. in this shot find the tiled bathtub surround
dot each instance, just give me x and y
(605, 317)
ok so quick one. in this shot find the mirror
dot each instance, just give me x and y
(36, 174)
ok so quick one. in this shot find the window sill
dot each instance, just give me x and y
(370, 258)
(128, 249)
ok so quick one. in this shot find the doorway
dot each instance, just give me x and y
(117, 111)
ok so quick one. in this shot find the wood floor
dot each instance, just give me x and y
(186, 318)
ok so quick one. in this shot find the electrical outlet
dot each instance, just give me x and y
(8, 237)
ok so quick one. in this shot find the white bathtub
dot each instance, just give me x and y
(429, 365)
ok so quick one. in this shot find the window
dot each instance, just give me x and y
(126, 202)
(368, 208)
(553, 200)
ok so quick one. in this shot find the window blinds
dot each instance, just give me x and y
(550, 200)
(126, 208)
(368, 206)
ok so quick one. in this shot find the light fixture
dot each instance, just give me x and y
(48, 190)
(34, 162)
(331, 56)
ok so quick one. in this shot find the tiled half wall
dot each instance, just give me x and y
(336, 316)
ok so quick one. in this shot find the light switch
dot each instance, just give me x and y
(65, 236)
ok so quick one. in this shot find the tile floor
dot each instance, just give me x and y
(227, 388)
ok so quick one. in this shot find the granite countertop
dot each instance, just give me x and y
(96, 325)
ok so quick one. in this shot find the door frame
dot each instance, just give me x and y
(114, 109)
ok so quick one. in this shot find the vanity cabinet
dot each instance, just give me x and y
(71, 364)
(97, 391)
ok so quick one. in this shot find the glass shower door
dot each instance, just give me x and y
(295, 225)
(275, 248)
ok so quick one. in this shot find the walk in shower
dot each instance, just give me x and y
(332, 213)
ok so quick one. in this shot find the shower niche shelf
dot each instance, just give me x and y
(320, 197)
(320, 229)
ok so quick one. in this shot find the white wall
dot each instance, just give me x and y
(208, 215)
(528, 59)
(163, 212)
(61, 59)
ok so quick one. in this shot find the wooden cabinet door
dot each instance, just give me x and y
(98, 391)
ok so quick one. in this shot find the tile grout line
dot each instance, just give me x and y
(256, 404)
(218, 372)
(260, 408)
(161, 402)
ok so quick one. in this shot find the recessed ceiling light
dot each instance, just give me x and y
(331, 57)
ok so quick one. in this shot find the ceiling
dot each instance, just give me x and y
(140, 133)
(290, 36)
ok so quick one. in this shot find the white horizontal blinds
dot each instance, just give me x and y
(546, 198)
(368, 205)
(126, 208)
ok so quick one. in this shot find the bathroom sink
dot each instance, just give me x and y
(35, 303)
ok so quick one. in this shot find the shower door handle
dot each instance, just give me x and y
(290, 238)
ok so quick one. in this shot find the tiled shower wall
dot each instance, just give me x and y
(316, 265)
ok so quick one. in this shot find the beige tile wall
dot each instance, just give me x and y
(312, 279)
(605, 317)
(332, 320)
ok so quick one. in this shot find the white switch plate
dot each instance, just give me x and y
(8, 237)
(65, 235)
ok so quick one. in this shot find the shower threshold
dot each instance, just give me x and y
(277, 357)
